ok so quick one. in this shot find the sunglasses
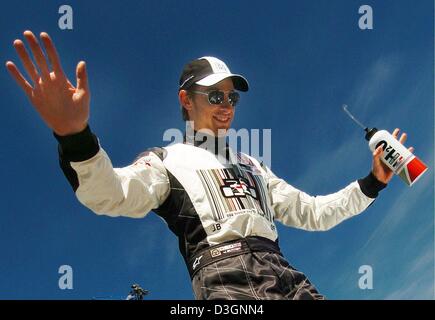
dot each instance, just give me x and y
(217, 97)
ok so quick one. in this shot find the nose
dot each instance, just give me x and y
(226, 107)
(226, 102)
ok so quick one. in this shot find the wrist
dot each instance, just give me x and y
(381, 179)
(371, 186)
(79, 146)
(70, 131)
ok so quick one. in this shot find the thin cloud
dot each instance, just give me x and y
(417, 286)
(370, 88)
(371, 85)
(404, 204)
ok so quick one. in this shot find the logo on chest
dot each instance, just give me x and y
(232, 188)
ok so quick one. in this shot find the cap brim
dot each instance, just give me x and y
(240, 83)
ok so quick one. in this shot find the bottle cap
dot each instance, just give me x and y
(370, 133)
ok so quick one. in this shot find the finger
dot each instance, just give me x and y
(377, 153)
(82, 77)
(403, 138)
(396, 133)
(16, 74)
(26, 61)
(411, 149)
(377, 163)
(53, 57)
(41, 62)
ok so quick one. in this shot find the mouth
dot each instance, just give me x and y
(222, 118)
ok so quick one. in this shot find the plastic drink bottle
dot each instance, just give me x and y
(398, 158)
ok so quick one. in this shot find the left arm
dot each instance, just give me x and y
(298, 209)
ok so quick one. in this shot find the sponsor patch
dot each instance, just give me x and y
(226, 249)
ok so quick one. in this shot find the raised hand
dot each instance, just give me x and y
(63, 107)
(380, 170)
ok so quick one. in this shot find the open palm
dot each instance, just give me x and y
(63, 107)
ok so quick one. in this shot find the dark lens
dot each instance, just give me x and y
(233, 98)
(216, 97)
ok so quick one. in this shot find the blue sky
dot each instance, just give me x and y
(303, 60)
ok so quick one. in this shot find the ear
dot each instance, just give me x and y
(184, 100)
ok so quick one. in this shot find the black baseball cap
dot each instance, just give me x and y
(207, 71)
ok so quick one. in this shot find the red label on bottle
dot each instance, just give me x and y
(415, 168)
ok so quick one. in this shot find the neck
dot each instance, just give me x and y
(205, 139)
(193, 126)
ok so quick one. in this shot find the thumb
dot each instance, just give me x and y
(82, 76)
(377, 153)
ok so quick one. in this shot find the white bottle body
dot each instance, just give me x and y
(399, 159)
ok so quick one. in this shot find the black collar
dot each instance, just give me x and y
(217, 145)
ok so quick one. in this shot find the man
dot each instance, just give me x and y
(221, 206)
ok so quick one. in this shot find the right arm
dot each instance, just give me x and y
(131, 191)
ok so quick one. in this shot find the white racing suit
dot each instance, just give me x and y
(223, 213)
